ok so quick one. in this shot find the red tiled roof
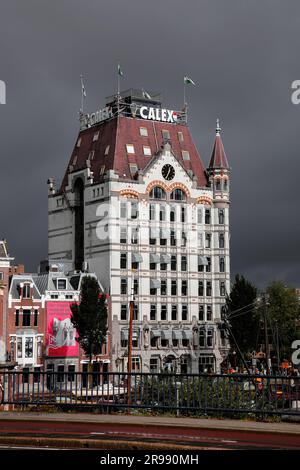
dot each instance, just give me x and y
(218, 158)
(126, 130)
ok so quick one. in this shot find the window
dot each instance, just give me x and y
(123, 311)
(36, 316)
(208, 266)
(71, 373)
(221, 240)
(210, 338)
(136, 287)
(124, 340)
(28, 347)
(60, 373)
(135, 317)
(163, 287)
(178, 195)
(26, 317)
(123, 210)
(183, 263)
(200, 288)
(152, 212)
(102, 170)
(185, 155)
(134, 235)
(173, 287)
(157, 193)
(209, 313)
(19, 348)
(183, 239)
(200, 240)
(208, 240)
(136, 364)
(165, 134)
(162, 213)
(154, 365)
(144, 131)
(91, 155)
(222, 289)
(163, 266)
(207, 216)
(180, 136)
(74, 160)
(222, 264)
(123, 235)
(172, 214)
(201, 313)
(218, 185)
(123, 260)
(95, 136)
(163, 238)
(17, 319)
(163, 313)
(173, 263)
(134, 210)
(199, 215)
(184, 312)
(106, 150)
(130, 148)
(225, 185)
(202, 338)
(1, 276)
(182, 214)
(147, 151)
(184, 287)
(221, 216)
(61, 284)
(172, 238)
(152, 266)
(26, 291)
(174, 313)
(78, 142)
(208, 289)
(153, 312)
(133, 168)
(124, 286)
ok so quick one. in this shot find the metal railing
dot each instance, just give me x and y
(185, 394)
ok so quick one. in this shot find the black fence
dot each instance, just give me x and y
(184, 394)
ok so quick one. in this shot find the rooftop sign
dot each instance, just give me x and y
(158, 114)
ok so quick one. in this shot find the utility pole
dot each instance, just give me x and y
(266, 333)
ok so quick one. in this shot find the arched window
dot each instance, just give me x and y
(157, 193)
(178, 195)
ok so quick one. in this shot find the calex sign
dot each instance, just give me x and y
(88, 120)
(157, 114)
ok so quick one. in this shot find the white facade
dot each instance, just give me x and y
(178, 305)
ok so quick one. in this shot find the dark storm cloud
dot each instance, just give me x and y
(243, 56)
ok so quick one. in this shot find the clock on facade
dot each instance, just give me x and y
(168, 172)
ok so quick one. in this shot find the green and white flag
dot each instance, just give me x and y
(120, 73)
(188, 81)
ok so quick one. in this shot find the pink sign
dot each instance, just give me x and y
(61, 333)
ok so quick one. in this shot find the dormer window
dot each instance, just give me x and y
(91, 155)
(165, 134)
(95, 136)
(26, 291)
(61, 284)
(106, 150)
(144, 131)
(78, 142)
(130, 148)
(185, 155)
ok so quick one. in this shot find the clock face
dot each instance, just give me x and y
(168, 172)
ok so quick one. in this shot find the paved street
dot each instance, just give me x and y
(140, 432)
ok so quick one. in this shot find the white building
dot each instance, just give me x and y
(137, 205)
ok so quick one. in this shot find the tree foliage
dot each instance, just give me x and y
(90, 317)
(282, 313)
(244, 323)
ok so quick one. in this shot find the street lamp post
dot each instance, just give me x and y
(129, 363)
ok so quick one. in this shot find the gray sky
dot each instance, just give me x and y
(243, 54)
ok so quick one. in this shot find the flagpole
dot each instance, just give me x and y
(82, 97)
